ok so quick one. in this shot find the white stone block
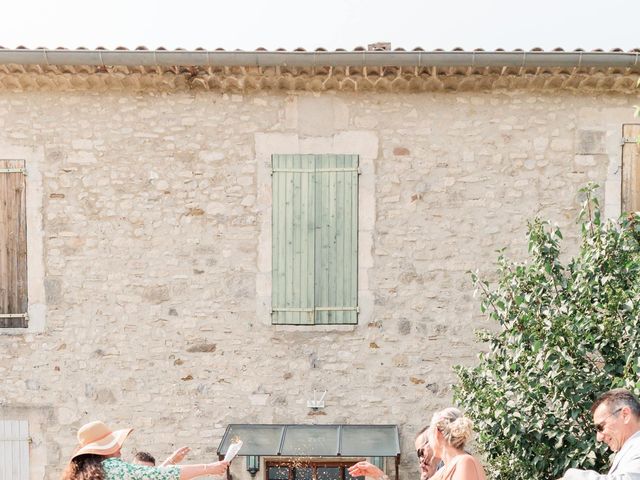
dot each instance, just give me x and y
(316, 145)
(259, 399)
(82, 144)
(584, 160)
(82, 158)
(210, 156)
(561, 145)
(267, 144)
(363, 143)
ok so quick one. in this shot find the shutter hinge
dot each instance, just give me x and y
(295, 310)
(338, 169)
(316, 309)
(14, 170)
(337, 309)
(625, 140)
(317, 170)
(14, 315)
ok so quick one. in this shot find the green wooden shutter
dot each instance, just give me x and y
(293, 230)
(315, 239)
(336, 239)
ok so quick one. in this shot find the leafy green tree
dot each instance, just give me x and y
(567, 332)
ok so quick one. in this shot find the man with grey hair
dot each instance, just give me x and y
(616, 416)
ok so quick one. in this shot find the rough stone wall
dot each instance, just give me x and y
(152, 234)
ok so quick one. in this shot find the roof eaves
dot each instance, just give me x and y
(142, 57)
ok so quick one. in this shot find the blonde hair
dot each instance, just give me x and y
(454, 426)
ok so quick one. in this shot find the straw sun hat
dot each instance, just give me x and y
(98, 439)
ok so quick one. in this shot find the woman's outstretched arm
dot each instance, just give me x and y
(188, 472)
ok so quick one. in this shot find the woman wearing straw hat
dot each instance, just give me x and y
(98, 458)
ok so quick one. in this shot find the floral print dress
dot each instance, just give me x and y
(116, 469)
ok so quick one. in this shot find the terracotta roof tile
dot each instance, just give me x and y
(291, 70)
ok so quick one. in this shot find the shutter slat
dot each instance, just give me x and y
(631, 169)
(355, 189)
(24, 450)
(317, 238)
(340, 257)
(296, 219)
(21, 247)
(351, 223)
(289, 230)
(322, 267)
(5, 459)
(277, 278)
(284, 234)
(279, 207)
(333, 264)
(275, 239)
(4, 227)
(353, 241)
(306, 230)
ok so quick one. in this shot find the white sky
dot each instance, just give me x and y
(248, 24)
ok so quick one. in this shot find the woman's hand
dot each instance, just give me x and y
(176, 457)
(365, 469)
(217, 468)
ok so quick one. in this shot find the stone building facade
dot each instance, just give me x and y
(149, 240)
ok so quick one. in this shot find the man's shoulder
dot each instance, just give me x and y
(634, 440)
(630, 450)
(576, 474)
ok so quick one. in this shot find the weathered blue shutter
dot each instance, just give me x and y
(315, 238)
